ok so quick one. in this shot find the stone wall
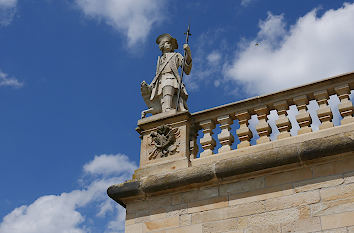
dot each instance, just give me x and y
(318, 197)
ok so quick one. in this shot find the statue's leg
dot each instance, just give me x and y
(167, 97)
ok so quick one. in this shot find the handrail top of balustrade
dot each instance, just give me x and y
(269, 99)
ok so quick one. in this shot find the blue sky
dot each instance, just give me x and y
(70, 74)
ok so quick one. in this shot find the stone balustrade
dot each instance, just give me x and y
(240, 113)
(176, 140)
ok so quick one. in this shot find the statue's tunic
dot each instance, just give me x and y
(167, 74)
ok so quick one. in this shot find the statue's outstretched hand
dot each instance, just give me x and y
(187, 49)
(143, 83)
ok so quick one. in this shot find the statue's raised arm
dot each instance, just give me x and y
(161, 94)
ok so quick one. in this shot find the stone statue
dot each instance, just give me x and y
(161, 94)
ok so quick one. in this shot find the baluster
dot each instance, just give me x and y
(263, 127)
(283, 122)
(324, 112)
(303, 118)
(345, 107)
(193, 146)
(225, 137)
(208, 142)
(243, 133)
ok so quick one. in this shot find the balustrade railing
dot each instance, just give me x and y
(240, 113)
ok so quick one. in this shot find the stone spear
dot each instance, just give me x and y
(187, 33)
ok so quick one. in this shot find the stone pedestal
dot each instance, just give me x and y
(164, 143)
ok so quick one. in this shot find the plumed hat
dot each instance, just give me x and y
(170, 38)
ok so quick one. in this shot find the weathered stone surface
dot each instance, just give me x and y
(179, 178)
(214, 203)
(220, 226)
(260, 194)
(303, 225)
(339, 166)
(337, 220)
(242, 186)
(294, 200)
(127, 189)
(334, 193)
(286, 177)
(338, 230)
(333, 207)
(349, 177)
(185, 219)
(257, 161)
(162, 223)
(322, 182)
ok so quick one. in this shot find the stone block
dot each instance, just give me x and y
(214, 203)
(209, 216)
(288, 177)
(317, 183)
(274, 217)
(261, 194)
(220, 226)
(192, 228)
(333, 207)
(338, 230)
(338, 166)
(337, 220)
(245, 209)
(242, 186)
(135, 206)
(185, 219)
(349, 178)
(135, 228)
(158, 202)
(162, 223)
(294, 200)
(335, 193)
(303, 225)
(351, 229)
(176, 210)
(227, 213)
(199, 194)
(269, 228)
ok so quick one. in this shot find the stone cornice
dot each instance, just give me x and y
(294, 151)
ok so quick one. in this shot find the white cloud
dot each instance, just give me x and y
(7, 11)
(246, 2)
(132, 18)
(315, 47)
(110, 164)
(8, 3)
(214, 57)
(64, 213)
(7, 81)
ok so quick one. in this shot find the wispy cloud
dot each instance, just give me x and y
(134, 19)
(64, 212)
(7, 11)
(315, 47)
(6, 81)
(245, 3)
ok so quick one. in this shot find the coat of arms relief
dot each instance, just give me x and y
(164, 142)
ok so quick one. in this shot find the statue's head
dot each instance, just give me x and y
(166, 42)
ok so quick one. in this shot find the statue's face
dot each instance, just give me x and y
(166, 46)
